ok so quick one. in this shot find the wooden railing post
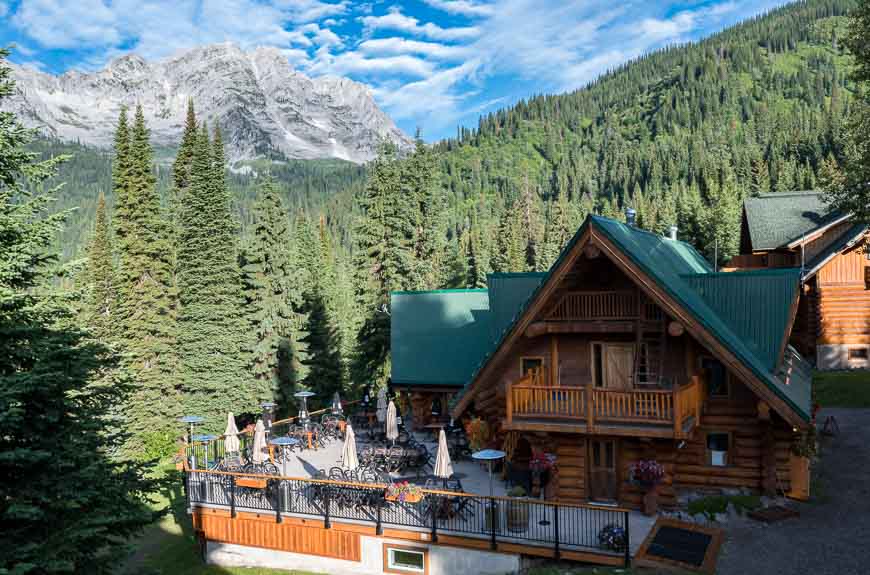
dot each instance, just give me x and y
(509, 403)
(590, 408)
(556, 552)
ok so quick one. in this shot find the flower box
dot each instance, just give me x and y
(408, 498)
(252, 482)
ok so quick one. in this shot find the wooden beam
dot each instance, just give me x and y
(539, 328)
(554, 360)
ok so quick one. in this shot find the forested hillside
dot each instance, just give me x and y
(681, 135)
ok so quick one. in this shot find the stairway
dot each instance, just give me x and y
(649, 355)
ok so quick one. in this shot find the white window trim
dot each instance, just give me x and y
(404, 568)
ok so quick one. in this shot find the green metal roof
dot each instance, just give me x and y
(756, 305)
(849, 237)
(438, 337)
(775, 220)
(508, 293)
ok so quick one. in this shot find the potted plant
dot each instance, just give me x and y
(404, 492)
(612, 537)
(647, 474)
(517, 510)
(539, 464)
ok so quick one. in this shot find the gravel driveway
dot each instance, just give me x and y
(832, 534)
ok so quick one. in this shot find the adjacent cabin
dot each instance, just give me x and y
(797, 230)
(630, 347)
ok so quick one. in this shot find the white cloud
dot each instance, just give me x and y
(463, 7)
(395, 20)
(356, 63)
(397, 45)
(4, 9)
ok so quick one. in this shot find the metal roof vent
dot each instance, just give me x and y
(630, 216)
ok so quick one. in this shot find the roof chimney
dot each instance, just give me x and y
(673, 232)
(630, 216)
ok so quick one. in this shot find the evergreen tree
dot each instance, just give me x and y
(557, 232)
(418, 179)
(212, 331)
(67, 506)
(146, 308)
(325, 374)
(181, 169)
(271, 292)
(102, 299)
(848, 190)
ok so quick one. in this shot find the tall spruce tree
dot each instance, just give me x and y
(147, 305)
(211, 329)
(101, 301)
(66, 506)
(181, 169)
(272, 295)
(325, 374)
(848, 188)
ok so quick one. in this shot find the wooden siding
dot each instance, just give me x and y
(845, 268)
(253, 531)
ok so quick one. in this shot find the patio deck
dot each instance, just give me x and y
(475, 480)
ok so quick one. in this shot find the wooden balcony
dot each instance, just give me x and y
(532, 405)
(598, 311)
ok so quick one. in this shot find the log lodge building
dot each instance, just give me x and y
(797, 230)
(630, 347)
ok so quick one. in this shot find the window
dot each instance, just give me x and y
(528, 364)
(717, 377)
(717, 449)
(859, 353)
(399, 559)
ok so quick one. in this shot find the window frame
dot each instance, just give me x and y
(708, 453)
(390, 567)
(861, 354)
(709, 394)
(524, 358)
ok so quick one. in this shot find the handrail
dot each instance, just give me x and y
(596, 305)
(357, 485)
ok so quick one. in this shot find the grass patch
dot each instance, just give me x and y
(168, 547)
(710, 506)
(842, 388)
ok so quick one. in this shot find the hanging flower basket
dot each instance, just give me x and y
(252, 482)
(404, 492)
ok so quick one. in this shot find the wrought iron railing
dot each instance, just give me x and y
(554, 525)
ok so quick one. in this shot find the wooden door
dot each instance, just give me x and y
(618, 366)
(603, 485)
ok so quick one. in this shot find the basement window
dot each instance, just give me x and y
(859, 353)
(404, 560)
(717, 449)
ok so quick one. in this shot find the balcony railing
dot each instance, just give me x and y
(547, 524)
(679, 407)
(605, 305)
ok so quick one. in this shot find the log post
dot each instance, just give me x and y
(768, 451)
(509, 403)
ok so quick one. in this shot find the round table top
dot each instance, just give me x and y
(284, 441)
(191, 419)
(488, 454)
(204, 438)
(267, 404)
(303, 394)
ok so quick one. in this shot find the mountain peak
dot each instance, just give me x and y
(261, 103)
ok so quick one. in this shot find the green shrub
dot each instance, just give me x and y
(710, 506)
(517, 491)
(157, 445)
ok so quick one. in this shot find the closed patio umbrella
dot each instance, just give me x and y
(231, 435)
(349, 461)
(382, 405)
(258, 453)
(392, 426)
(443, 465)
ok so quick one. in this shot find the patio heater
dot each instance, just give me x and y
(268, 415)
(489, 455)
(336, 405)
(191, 420)
(303, 411)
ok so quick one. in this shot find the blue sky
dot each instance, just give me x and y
(435, 64)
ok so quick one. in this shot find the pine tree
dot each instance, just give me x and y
(557, 231)
(146, 309)
(181, 169)
(325, 370)
(510, 256)
(101, 302)
(418, 180)
(271, 292)
(848, 190)
(67, 505)
(212, 331)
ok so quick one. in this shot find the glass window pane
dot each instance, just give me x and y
(596, 454)
(407, 560)
(608, 455)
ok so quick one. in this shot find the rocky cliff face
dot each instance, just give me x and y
(262, 105)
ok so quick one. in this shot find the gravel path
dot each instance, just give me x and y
(831, 535)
